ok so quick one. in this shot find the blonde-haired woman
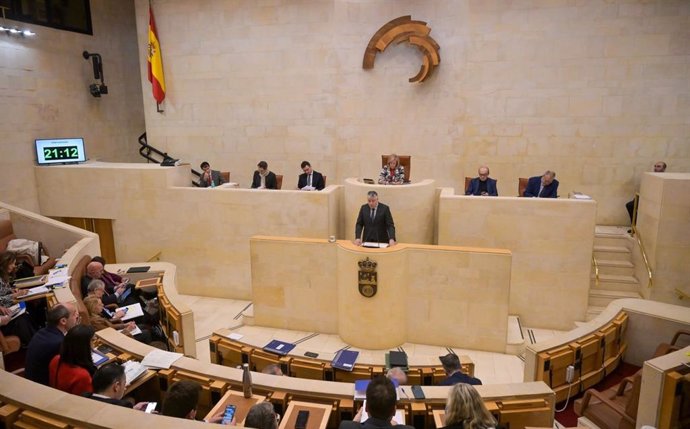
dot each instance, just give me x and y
(393, 173)
(95, 308)
(466, 410)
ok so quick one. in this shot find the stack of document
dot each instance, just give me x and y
(36, 291)
(131, 311)
(133, 370)
(160, 359)
(57, 277)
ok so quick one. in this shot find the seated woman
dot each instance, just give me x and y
(466, 410)
(95, 308)
(20, 326)
(393, 173)
(72, 369)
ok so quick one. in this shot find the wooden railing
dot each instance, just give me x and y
(593, 356)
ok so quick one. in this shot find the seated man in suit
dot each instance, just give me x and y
(209, 177)
(182, 399)
(310, 179)
(262, 416)
(545, 186)
(109, 384)
(483, 185)
(453, 370)
(95, 271)
(45, 344)
(376, 221)
(264, 179)
(380, 406)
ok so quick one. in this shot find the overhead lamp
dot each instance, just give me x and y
(15, 31)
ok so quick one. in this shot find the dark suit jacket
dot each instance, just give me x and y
(44, 345)
(215, 176)
(459, 377)
(490, 187)
(271, 182)
(370, 423)
(380, 230)
(533, 185)
(316, 180)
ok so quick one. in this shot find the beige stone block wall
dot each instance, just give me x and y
(204, 232)
(596, 91)
(551, 241)
(44, 93)
(664, 226)
(412, 207)
(312, 285)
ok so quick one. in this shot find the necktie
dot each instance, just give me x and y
(373, 212)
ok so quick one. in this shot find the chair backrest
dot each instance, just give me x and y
(75, 286)
(405, 161)
(634, 399)
(279, 181)
(324, 180)
(9, 344)
(467, 183)
(522, 185)
(225, 175)
(6, 233)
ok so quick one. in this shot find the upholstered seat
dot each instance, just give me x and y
(75, 286)
(522, 185)
(225, 175)
(616, 408)
(279, 181)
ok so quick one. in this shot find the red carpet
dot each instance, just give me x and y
(568, 418)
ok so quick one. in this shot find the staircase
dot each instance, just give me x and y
(613, 251)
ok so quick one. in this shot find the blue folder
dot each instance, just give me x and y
(279, 347)
(345, 360)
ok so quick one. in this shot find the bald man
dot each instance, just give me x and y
(45, 344)
(483, 185)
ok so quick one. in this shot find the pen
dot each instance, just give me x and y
(404, 393)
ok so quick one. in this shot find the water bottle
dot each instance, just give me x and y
(246, 381)
(213, 184)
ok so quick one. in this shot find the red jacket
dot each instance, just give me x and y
(70, 378)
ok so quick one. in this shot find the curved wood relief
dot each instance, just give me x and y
(404, 29)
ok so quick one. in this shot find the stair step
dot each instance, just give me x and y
(515, 343)
(602, 297)
(612, 278)
(616, 253)
(615, 267)
(613, 240)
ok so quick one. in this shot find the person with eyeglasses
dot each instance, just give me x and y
(483, 184)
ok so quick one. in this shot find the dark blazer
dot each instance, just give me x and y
(44, 345)
(490, 187)
(316, 180)
(271, 182)
(533, 185)
(120, 402)
(380, 230)
(215, 176)
(371, 423)
(459, 377)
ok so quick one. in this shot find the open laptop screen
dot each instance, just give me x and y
(60, 151)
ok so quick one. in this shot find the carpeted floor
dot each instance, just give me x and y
(568, 418)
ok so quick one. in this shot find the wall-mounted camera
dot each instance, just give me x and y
(95, 89)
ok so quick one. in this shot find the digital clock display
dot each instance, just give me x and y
(65, 152)
(60, 151)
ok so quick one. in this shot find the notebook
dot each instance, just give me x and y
(142, 269)
(279, 347)
(345, 360)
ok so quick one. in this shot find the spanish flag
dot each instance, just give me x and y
(155, 62)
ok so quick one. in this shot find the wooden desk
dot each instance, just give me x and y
(318, 415)
(237, 399)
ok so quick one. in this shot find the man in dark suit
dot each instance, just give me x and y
(454, 375)
(380, 407)
(109, 383)
(310, 179)
(482, 185)
(45, 344)
(209, 177)
(545, 186)
(264, 179)
(377, 222)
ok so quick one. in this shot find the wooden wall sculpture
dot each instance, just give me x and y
(404, 29)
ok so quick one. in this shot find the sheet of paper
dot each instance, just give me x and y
(58, 280)
(235, 336)
(399, 416)
(160, 359)
(58, 272)
(37, 290)
(135, 331)
(132, 311)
